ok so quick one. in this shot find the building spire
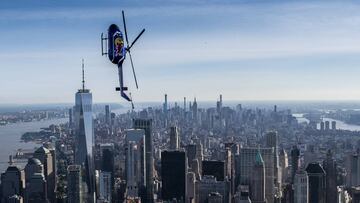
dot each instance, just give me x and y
(83, 75)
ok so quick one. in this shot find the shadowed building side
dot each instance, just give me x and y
(146, 125)
(317, 180)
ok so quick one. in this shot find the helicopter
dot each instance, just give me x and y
(116, 51)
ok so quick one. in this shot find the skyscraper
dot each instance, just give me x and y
(331, 176)
(322, 125)
(257, 184)
(105, 186)
(71, 117)
(327, 125)
(12, 183)
(191, 153)
(74, 187)
(135, 162)
(108, 162)
(230, 165)
(107, 157)
(43, 154)
(317, 180)
(107, 115)
(195, 110)
(221, 100)
(174, 138)
(165, 104)
(295, 156)
(283, 165)
(36, 190)
(353, 168)
(195, 168)
(199, 154)
(244, 164)
(146, 125)
(220, 108)
(184, 104)
(52, 150)
(33, 166)
(333, 125)
(112, 119)
(173, 174)
(190, 188)
(165, 110)
(84, 134)
(272, 140)
(301, 187)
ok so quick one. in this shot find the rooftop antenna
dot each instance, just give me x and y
(83, 77)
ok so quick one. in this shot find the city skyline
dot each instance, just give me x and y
(273, 50)
(239, 101)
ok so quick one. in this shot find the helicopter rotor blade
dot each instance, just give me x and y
(133, 69)
(139, 35)
(126, 37)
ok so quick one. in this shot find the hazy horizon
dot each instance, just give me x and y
(258, 50)
(299, 106)
(354, 101)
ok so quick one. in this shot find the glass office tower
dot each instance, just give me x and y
(84, 134)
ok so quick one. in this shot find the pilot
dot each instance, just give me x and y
(119, 47)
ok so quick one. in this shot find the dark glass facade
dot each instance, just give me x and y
(173, 174)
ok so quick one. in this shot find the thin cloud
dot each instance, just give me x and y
(190, 37)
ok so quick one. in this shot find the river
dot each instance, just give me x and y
(343, 126)
(10, 137)
(339, 124)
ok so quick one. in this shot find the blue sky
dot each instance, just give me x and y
(246, 50)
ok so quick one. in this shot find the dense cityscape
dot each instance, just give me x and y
(184, 153)
(231, 101)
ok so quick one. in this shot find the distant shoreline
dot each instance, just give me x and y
(3, 123)
(11, 135)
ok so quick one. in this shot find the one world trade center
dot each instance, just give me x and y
(84, 136)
